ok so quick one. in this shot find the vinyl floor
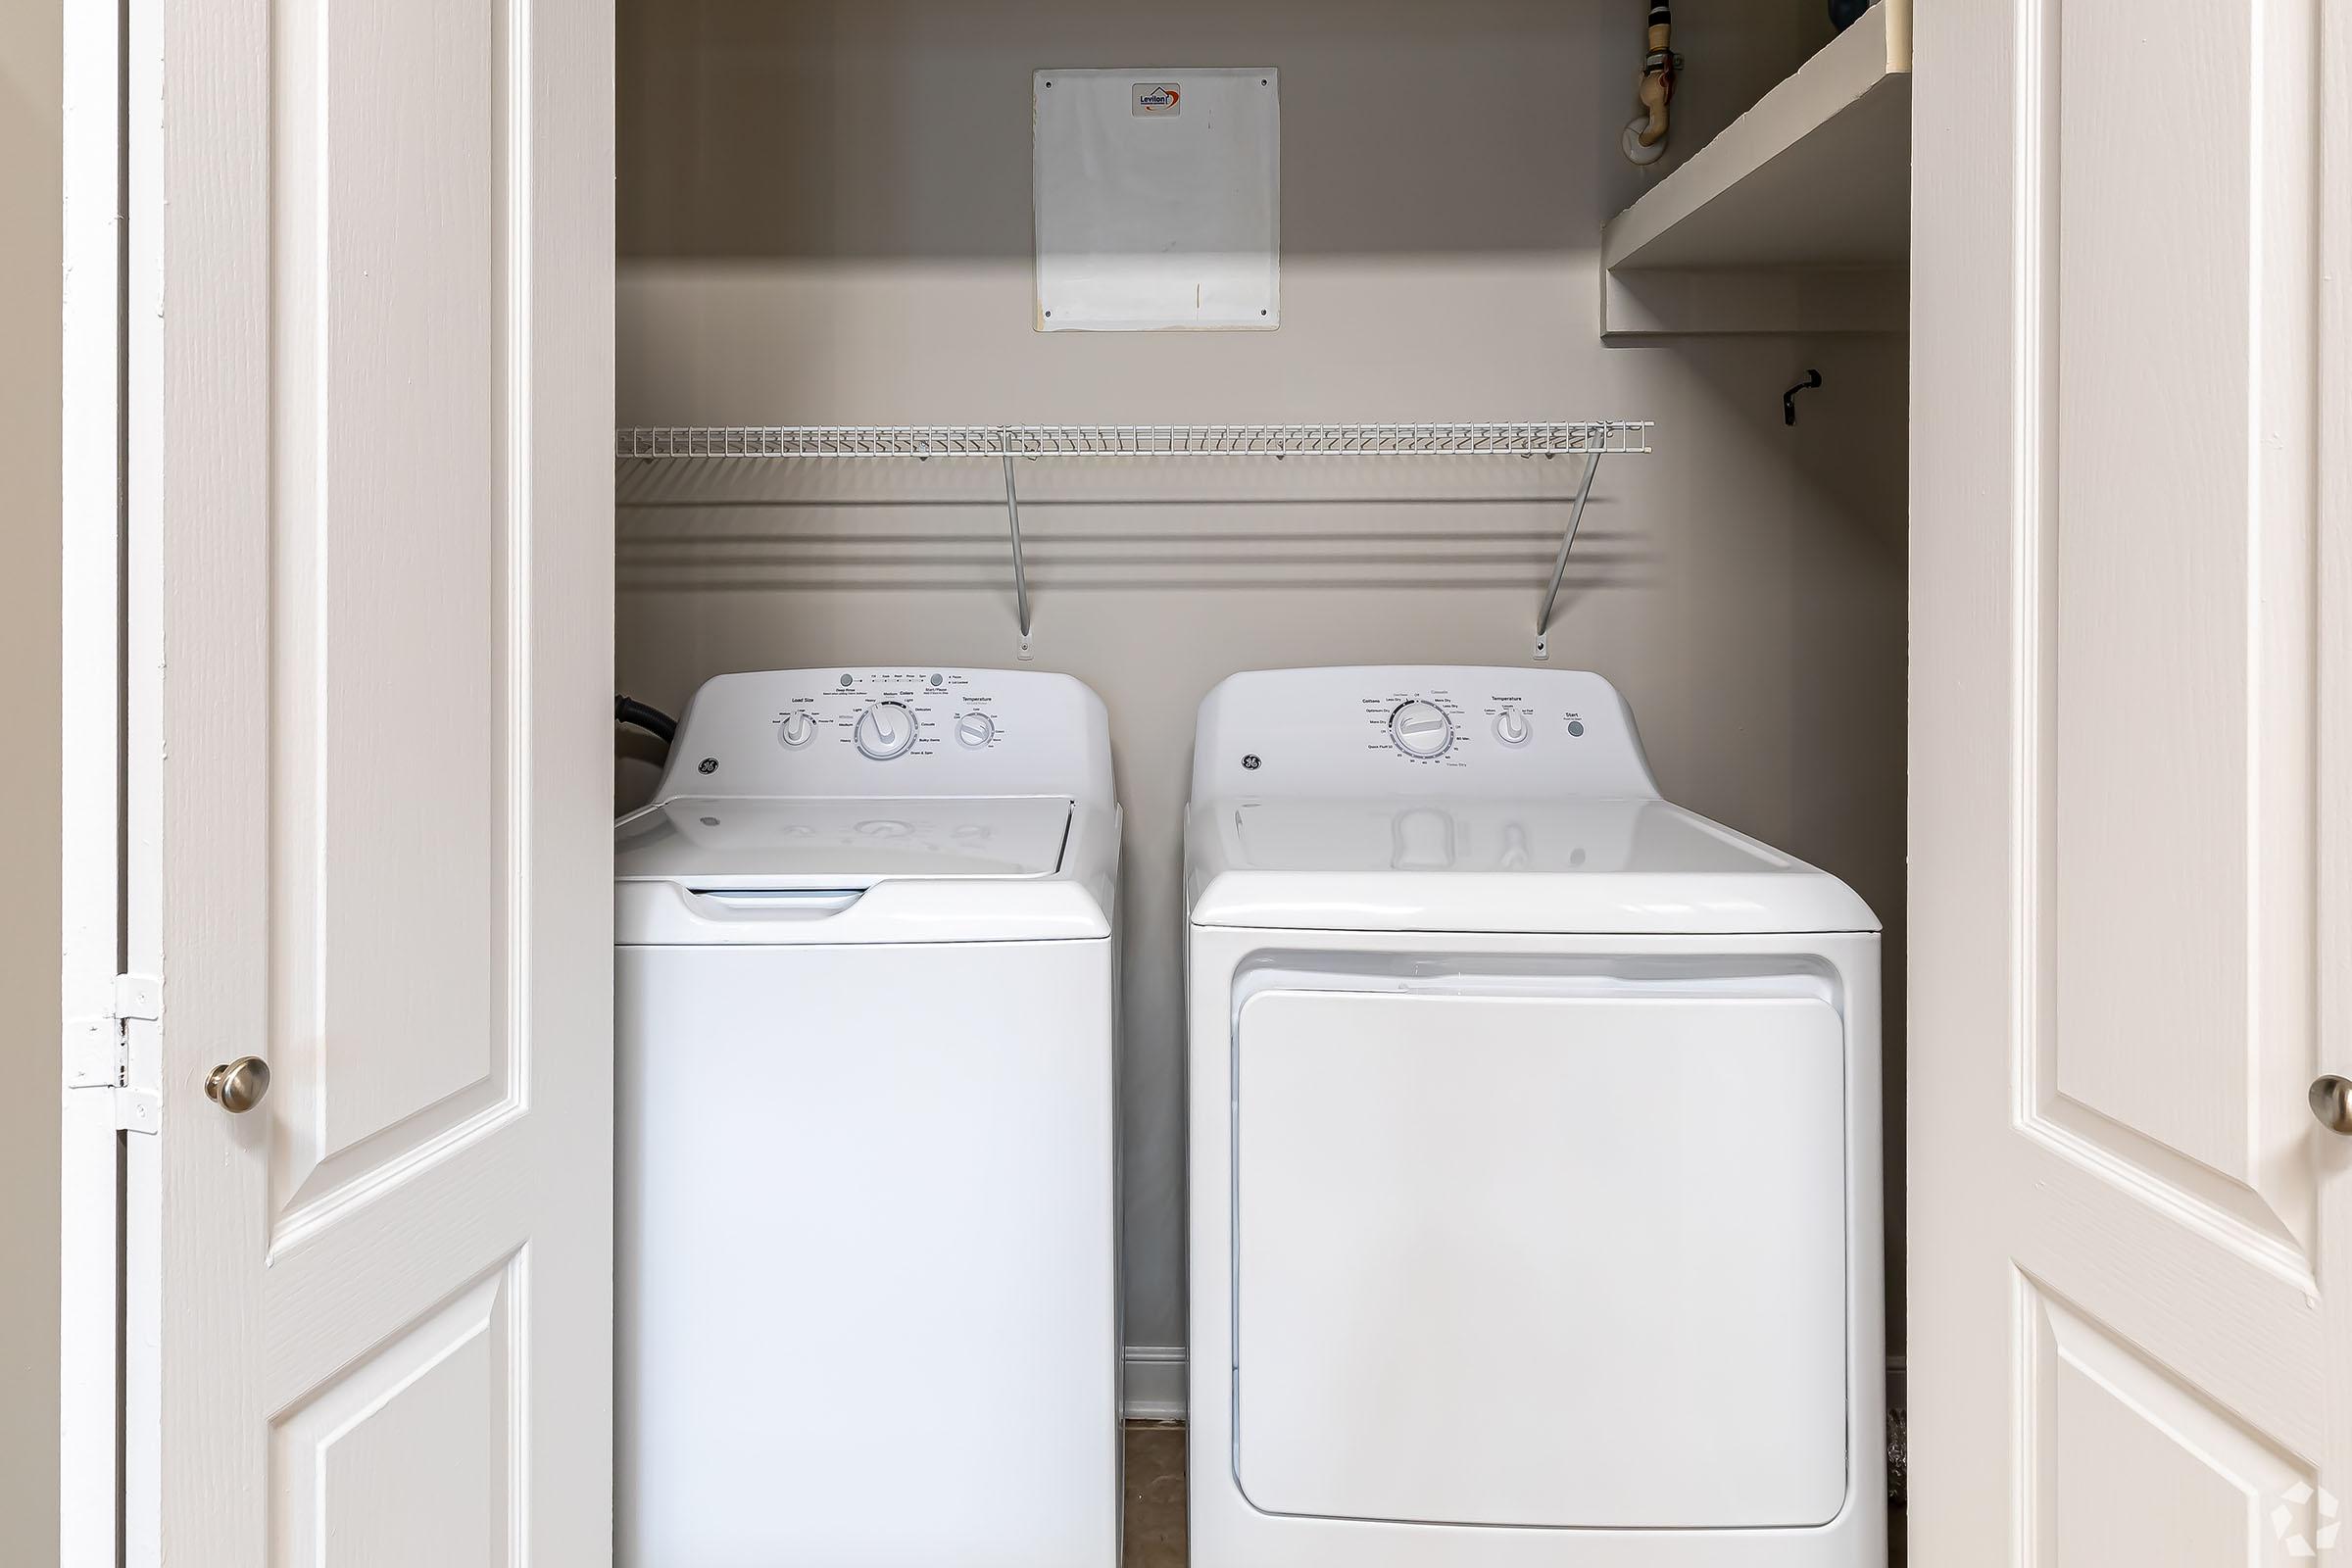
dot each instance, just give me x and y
(1155, 1499)
(1155, 1496)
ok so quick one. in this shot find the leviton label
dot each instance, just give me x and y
(1158, 98)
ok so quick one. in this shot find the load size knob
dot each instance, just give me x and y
(1420, 729)
(885, 730)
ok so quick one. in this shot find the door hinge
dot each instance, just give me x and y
(98, 1053)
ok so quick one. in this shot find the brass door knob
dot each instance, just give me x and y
(2331, 1103)
(239, 1085)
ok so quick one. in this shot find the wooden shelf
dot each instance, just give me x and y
(1797, 217)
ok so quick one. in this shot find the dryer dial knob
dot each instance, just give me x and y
(796, 729)
(1511, 727)
(975, 730)
(1420, 729)
(885, 730)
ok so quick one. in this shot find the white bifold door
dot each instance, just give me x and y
(369, 770)
(2130, 1183)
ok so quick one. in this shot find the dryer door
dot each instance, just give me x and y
(1541, 1260)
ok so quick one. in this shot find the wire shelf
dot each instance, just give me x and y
(1537, 439)
(1591, 440)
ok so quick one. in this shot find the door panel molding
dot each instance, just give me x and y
(358, 1458)
(2195, 1483)
(2221, 729)
(395, 596)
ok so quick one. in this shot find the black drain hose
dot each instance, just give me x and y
(650, 719)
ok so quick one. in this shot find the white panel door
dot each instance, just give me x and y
(2132, 798)
(372, 664)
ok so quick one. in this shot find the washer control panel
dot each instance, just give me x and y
(885, 716)
(1452, 724)
(854, 732)
(1418, 729)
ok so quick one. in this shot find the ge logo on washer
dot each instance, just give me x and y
(1251, 761)
(709, 765)
(2304, 1530)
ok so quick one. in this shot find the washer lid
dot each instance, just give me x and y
(1566, 864)
(759, 844)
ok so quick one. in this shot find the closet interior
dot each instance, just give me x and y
(847, 436)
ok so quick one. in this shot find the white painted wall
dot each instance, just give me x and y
(826, 218)
(30, 260)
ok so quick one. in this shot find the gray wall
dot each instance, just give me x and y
(29, 261)
(826, 214)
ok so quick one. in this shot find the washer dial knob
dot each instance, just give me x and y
(1420, 729)
(885, 730)
(975, 730)
(796, 729)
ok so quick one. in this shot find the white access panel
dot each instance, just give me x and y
(866, 1196)
(1569, 1260)
(1159, 197)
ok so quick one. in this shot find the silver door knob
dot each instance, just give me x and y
(239, 1085)
(2331, 1103)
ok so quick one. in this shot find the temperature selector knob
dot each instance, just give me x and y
(885, 730)
(1511, 727)
(796, 729)
(1420, 729)
(975, 730)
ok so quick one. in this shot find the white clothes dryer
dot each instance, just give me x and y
(1535, 1146)
(866, 1141)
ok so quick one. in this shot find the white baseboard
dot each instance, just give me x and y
(1152, 1388)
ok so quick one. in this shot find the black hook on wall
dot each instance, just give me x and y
(1789, 398)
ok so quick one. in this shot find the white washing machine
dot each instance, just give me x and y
(867, 1247)
(1535, 1146)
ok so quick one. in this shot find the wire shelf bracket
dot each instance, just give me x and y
(1591, 440)
(1559, 564)
(1020, 568)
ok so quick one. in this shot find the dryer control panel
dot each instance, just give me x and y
(1418, 729)
(868, 732)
